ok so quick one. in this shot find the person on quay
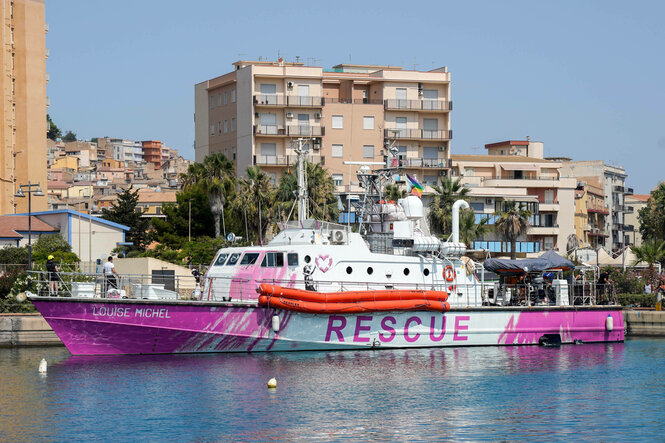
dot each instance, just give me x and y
(53, 275)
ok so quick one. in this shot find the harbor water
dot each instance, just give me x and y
(609, 392)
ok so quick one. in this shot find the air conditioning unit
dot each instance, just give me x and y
(289, 115)
(420, 92)
(442, 148)
(289, 85)
(317, 115)
(317, 141)
(489, 201)
(338, 237)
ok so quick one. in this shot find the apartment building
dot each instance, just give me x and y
(613, 182)
(155, 152)
(515, 170)
(636, 202)
(128, 151)
(255, 114)
(590, 213)
(23, 156)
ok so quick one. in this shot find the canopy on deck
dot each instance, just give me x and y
(550, 260)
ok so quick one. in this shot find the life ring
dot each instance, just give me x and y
(449, 273)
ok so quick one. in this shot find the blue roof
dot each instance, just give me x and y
(83, 215)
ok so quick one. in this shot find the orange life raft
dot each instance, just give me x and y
(353, 307)
(351, 296)
(351, 301)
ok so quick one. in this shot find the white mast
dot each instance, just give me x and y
(302, 182)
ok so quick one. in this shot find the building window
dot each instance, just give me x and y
(226, 97)
(233, 95)
(233, 124)
(212, 102)
(368, 151)
(212, 130)
(338, 122)
(219, 127)
(338, 179)
(338, 150)
(219, 99)
(368, 122)
(226, 126)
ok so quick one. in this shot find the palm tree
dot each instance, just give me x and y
(322, 202)
(446, 193)
(216, 176)
(468, 228)
(513, 221)
(650, 252)
(394, 192)
(254, 201)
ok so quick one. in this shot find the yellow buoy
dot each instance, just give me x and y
(272, 383)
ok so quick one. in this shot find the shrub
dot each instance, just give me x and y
(637, 300)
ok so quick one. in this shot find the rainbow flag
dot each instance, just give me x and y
(417, 188)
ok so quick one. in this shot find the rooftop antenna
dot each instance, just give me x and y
(297, 59)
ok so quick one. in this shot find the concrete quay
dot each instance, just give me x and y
(26, 330)
(644, 323)
(32, 329)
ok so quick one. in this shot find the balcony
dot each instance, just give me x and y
(292, 101)
(418, 134)
(596, 232)
(548, 207)
(285, 160)
(543, 230)
(351, 101)
(289, 131)
(434, 163)
(623, 190)
(419, 105)
(629, 209)
(598, 210)
(623, 227)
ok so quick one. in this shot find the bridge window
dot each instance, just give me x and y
(221, 259)
(249, 258)
(292, 259)
(233, 259)
(273, 260)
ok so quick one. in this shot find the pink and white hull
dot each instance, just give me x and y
(97, 327)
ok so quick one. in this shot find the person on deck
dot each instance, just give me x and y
(110, 275)
(53, 276)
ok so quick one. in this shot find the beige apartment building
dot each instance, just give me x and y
(515, 170)
(612, 180)
(350, 113)
(23, 108)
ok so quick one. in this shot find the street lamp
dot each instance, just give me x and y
(20, 194)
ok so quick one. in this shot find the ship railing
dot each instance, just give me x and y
(160, 285)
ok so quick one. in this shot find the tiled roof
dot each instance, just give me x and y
(639, 197)
(157, 197)
(11, 225)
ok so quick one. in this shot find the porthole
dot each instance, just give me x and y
(370, 270)
(349, 269)
(308, 259)
(426, 272)
(406, 271)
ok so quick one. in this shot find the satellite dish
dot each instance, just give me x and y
(230, 237)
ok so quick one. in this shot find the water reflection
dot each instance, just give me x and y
(462, 393)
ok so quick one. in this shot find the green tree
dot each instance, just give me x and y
(445, 194)
(173, 229)
(652, 216)
(69, 136)
(513, 221)
(125, 212)
(469, 230)
(254, 201)
(216, 176)
(54, 132)
(322, 201)
(650, 252)
(394, 192)
(53, 244)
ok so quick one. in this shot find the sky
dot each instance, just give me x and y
(584, 77)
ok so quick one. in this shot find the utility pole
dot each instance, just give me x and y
(190, 220)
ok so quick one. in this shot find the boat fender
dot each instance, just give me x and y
(609, 323)
(275, 323)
